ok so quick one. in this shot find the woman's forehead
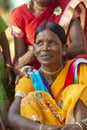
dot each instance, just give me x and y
(46, 34)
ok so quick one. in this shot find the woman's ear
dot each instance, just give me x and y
(34, 47)
(64, 50)
(34, 50)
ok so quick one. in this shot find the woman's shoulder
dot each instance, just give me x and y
(20, 9)
(25, 83)
(22, 12)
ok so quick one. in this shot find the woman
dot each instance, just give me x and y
(6, 72)
(26, 18)
(45, 100)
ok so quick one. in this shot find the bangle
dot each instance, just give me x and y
(41, 127)
(45, 127)
(20, 94)
(80, 125)
(9, 66)
(83, 125)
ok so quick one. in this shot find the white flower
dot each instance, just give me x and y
(57, 11)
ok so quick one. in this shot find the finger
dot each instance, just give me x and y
(11, 84)
(34, 70)
(16, 80)
(25, 68)
(18, 77)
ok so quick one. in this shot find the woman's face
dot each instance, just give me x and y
(48, 48)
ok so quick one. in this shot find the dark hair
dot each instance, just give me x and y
(54, 27)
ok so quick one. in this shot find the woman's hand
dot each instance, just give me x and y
(17, 66)
(23, 60)
(24, 72)
(10, 76)
(62, 127)
(66, 127)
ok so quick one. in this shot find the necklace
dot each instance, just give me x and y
(38, 6)
(51, 73)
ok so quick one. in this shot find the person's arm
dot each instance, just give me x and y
(80, 111)
(5, 47)
(18, 122)
(80, 115)
(2, 126)
(9, 75)
(15, 120)
(23, 55)
(20, 47)
(78, 43)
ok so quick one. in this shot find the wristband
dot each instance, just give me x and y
(9, 66)
(20, 94)
(80, 125)
(41, 127)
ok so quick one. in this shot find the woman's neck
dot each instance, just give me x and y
(51, 72)
(50, 76)
(52, 68)
(42, 5)
(37, 8)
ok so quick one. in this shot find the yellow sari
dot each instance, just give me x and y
(58, 109)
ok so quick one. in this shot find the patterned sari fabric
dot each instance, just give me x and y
(24, 22)
(55, 107)
(4, 101)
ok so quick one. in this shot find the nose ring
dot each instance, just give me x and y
(48, 48)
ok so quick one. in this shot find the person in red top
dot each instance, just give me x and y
(71, 14)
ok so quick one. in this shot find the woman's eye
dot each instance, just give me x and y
(39, 43)
(53, 43)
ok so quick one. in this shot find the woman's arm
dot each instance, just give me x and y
(9, 74)
(80, 114)
(80, 111)
(5, 47)
(20, 47)
(78, 43)
(18, 122)
(22, 54)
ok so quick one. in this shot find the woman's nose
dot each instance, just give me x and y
(46, 46)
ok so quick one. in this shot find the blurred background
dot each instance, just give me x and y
(6, 6)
